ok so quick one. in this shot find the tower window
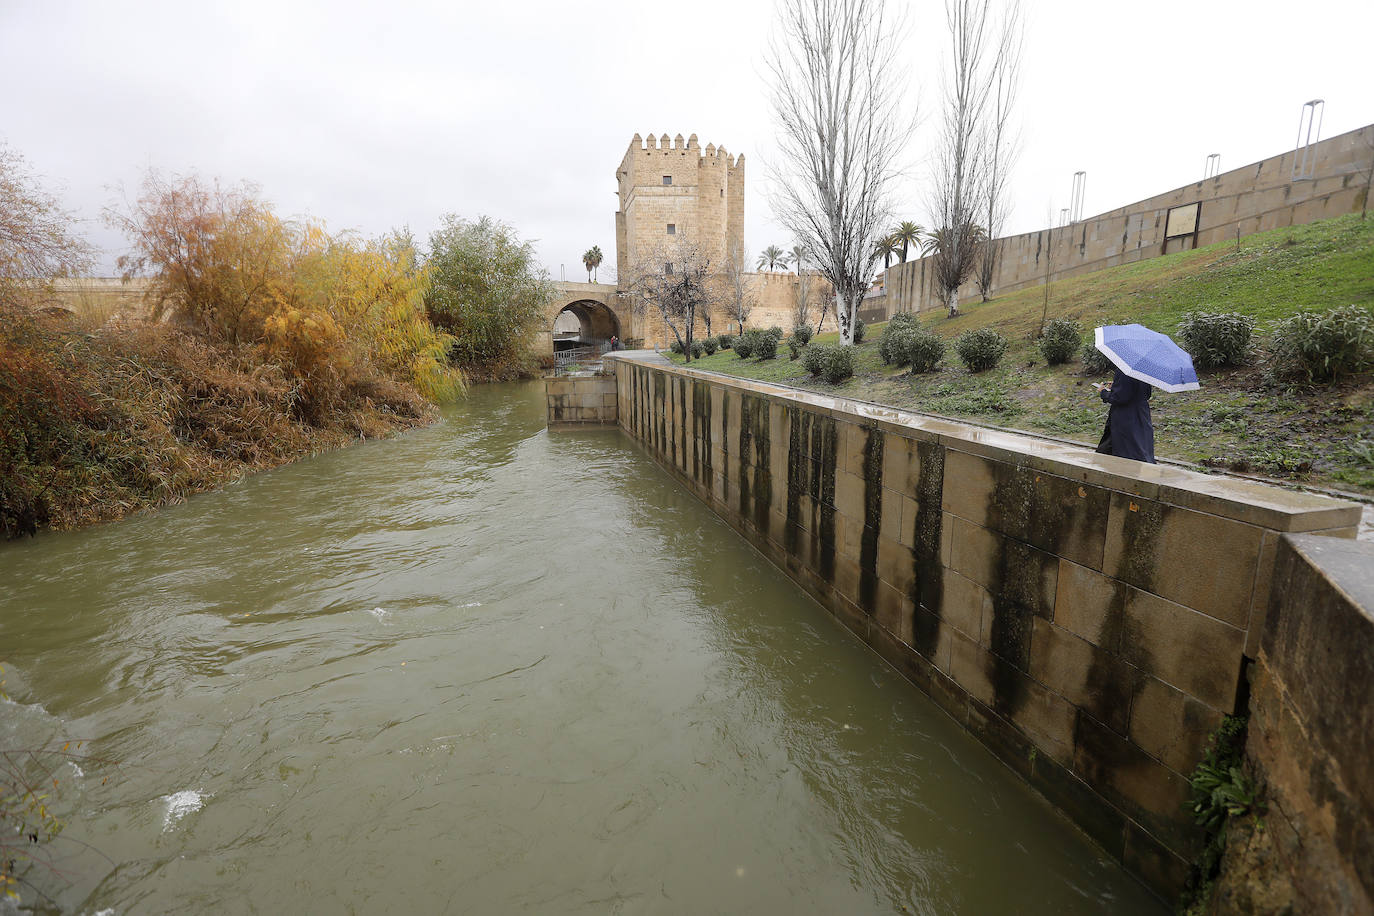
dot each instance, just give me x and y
(667, 180)
(668, 268)
(722, 192)
(672, 229)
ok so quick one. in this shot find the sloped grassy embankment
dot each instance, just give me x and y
(1243, 420)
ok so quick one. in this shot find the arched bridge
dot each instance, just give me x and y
(586, 314)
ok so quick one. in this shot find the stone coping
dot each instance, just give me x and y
(1247, 501)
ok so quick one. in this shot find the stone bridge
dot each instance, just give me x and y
(600, 313)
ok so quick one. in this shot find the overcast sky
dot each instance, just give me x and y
(376, 115)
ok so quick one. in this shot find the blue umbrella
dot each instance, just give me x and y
(1148, 356)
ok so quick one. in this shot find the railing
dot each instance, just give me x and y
(575, 355)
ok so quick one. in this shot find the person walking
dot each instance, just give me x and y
(1130, 433)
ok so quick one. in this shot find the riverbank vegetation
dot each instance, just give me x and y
(1271, 415)
(264, 340)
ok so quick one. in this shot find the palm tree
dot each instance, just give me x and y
(595, 260)
(887, 247)
(906, 234)
(797, 255)
(772, 258)
(587, 263)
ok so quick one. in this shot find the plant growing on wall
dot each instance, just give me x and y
(837, 85)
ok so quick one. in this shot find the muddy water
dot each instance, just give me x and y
(486, 669)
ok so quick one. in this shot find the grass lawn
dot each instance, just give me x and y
(1241, 420)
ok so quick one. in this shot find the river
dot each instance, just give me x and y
(483, 668)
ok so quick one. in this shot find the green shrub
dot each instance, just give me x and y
(839, 363)
(711, 345)
(1060, 342)
(725, 341)
(744, 344)
(921, 350)
(980, 350)
(898, 323)
(698, 349)
(802, 334)
(813, 358)
(677, 347)
(859, 330)
(794, 348)
(1215, 340)
(1326, 345)
(1094, 361)
(766, 346)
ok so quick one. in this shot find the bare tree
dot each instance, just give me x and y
(837, 100)
(676, 282)
(805, 283)
(738, 293)
(1000, 143)
(960, 165)
(36, 238)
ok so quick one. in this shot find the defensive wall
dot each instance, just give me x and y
(1089, 618)
(1254, 198)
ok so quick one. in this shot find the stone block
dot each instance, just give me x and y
(1084, 602)
(906, 534)
(849, 495)
(1163, 871)
(964, 604)
(1001, 738)
(895, 564)
(849, 535)
(902, 657)
(1259, 602)
(968, 486)
(970, 665)
(847, 578)
(1012, 571)
(1043, 716)
(851, 438)
(949, 696)
(1205, 562)
(1084, 675)
(1171, 726)
(1196, 653)
(890, 512)
(892, 611)
(1085, 807)
(1147, 791)
(899, 470)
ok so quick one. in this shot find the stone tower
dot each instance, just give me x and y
(671, 188)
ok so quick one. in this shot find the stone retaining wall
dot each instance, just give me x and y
(1311, 738)
(1087, 617)
(576, 399)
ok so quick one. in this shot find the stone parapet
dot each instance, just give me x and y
(1087, 617)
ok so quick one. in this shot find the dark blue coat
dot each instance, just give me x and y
(1129, 433)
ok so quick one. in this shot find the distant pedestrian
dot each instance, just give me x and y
(1129, 432)
(615, 342)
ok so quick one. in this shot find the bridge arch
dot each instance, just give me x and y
(585, 322)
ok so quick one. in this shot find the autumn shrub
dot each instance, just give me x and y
(1059, 342)
(980, 350)
(1216, 340)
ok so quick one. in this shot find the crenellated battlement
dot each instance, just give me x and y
(673, 182)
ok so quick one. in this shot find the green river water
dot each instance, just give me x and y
(483, 668)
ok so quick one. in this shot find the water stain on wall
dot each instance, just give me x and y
(702, 472)
(874, 442)
(927, 582)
